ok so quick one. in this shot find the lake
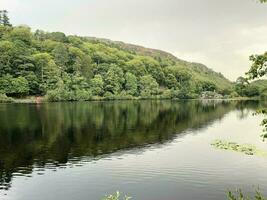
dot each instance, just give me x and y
(149, 150)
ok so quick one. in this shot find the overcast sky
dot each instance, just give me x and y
(218, 33)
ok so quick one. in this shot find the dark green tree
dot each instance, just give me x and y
(1, 17)
(5, 18)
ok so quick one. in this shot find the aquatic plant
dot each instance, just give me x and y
(116, 196)
(247, 149)
(239, 195)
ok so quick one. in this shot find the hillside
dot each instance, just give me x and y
(199, 71)
(83, 68)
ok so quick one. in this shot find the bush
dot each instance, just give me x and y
(109, 96)
(185, 93)
(5, 99)
(167, 94)
(210, 95)
(61, 94)
(83, 95)
(54, 95)
(234, 94)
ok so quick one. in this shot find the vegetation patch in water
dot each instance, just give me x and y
(239, 195)
(247, 149)
(116, 196)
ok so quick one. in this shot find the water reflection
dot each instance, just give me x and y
(56, 135)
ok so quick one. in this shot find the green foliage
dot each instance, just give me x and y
(116, 196)
(81, 68)
(97, 85)
(239, 195)
(148, 86)
(258, 68)
(4, 19)
(114, 79)
(21, 34)
(5, 99)
(131, 84)
(206, 86)
(14, 86)
(264, 122)
(246, 89)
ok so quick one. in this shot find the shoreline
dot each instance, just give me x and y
(32, 99)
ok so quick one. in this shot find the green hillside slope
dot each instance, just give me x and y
(83, 68)
(199, 71)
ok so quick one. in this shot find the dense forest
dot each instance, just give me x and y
(71, 68)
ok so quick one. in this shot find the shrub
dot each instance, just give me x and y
(5, 99)
(83, 95)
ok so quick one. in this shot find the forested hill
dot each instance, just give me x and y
(83, 68)
(201, 70)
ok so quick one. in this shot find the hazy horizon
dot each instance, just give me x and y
(219, 34)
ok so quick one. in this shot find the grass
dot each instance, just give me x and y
(239, 195)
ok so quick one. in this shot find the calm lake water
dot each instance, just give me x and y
(150, 150)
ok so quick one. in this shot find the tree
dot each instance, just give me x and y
(46, 70)
(61, 56)
(14, 86)
(181, 74)
(251, 91)
(22, 34)
(34, 83)
(40, 35)
(171, 81)
(57, 36)
(130, 84)
(259, 69)
(240, 86)
(97, 85)
(7, 54)
(114, 79)
(148, 86)
(136, 67)
(259, 66)
(1, 18)
(5, 18)
(79, 62)
(20, 86)
(205, 86)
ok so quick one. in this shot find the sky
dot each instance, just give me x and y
(221, 34)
